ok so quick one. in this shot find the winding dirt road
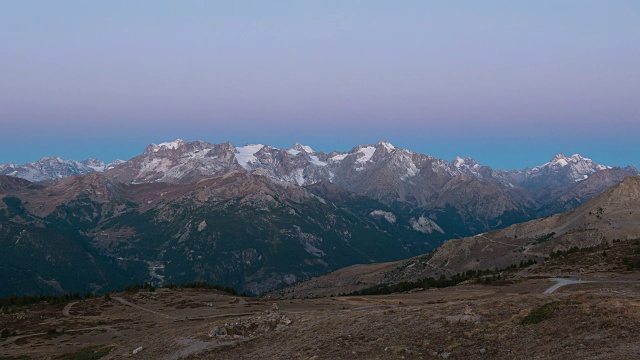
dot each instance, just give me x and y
(560, 282)
(67, 309)
(571, 281)
(123, 301)
(94, 328)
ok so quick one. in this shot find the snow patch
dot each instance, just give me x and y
(112, 165)
(338, 157)
(246, 154)
(406, 167)
(367, 152)
(94, 164)
(160, 165)
(169, 145)
(96, 168)
(320, 199)
(389, 216)
(308, 149)
(309, 242)
(425, 225)
(387, 146)
(316, 161)
(299, 177)
(411, 171)
(562, 162)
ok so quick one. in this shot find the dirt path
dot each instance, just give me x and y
(195, 346)
(560, 282)
(221, 316)
(569, 281)
(526, 247)
(369, 307)
(67, 309)
(491, 241)
(145, 309)
(14, 338)
(166, 316)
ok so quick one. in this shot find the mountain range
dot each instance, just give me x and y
(181, 161)
(257, 217)
(55, 168)
(483, 197)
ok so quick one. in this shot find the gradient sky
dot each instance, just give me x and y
(510, 83)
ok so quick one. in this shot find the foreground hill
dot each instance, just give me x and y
(503, 320)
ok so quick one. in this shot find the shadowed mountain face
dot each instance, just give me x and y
(258, 217)
(240, 229)
(613, 216)
(567, 198)
(9, 184)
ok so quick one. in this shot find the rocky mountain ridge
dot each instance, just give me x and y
(476, 197)
(55, 168)
(394, 176)
(180, 161)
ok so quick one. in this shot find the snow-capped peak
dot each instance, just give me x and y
(458, 162)
(113, 164)
(94, 164)
(52, 168)
(467, 162)
(560, 160)
(386, 145)
(576, 168)
(299, 147)
(574, 157)
(169, 145)
(49, 159)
